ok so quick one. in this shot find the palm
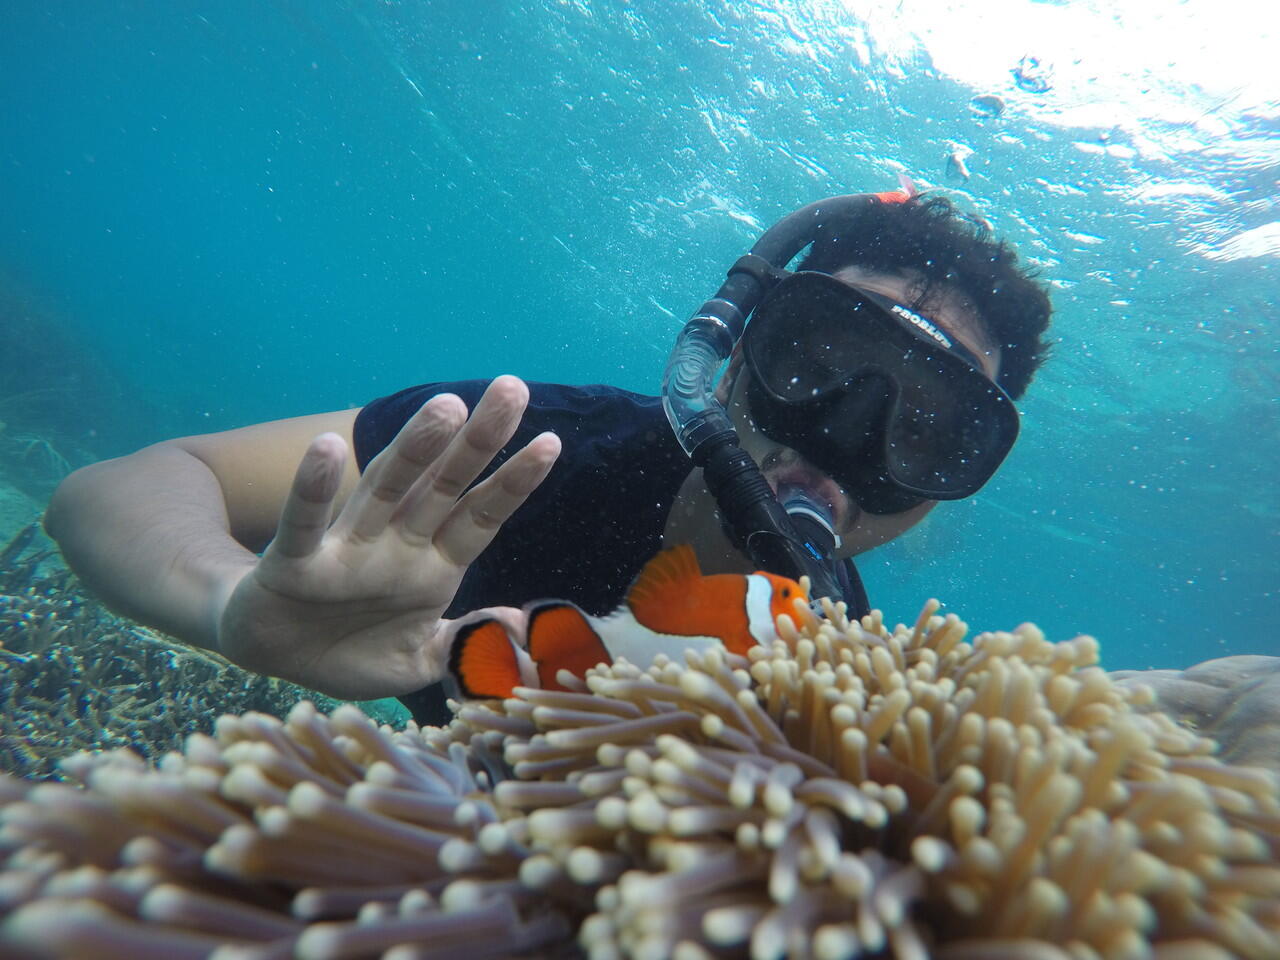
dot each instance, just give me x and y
(352, 608)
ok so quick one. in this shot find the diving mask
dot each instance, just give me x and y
(890, 406)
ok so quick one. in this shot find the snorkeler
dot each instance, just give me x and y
(347, 551)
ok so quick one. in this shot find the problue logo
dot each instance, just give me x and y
(918, 321)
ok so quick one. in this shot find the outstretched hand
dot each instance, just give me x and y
(354, 608)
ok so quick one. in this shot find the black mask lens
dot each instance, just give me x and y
(873, 394)
(951, 429)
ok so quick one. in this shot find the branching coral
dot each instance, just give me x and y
(74, 677)
(849, 791)
(36, 454)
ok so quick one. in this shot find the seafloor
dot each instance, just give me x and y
(73, 676)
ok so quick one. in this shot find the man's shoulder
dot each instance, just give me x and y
(555, 400)
(591, 409)
(540, 394)
(592, 399)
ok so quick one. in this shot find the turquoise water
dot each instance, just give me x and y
(231, 212)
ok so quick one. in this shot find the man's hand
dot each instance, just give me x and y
(353, 609)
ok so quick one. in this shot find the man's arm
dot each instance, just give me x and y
(164, 534)
(348, 594)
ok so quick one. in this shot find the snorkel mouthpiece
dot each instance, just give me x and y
(813, 521)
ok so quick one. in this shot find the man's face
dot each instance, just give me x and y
(859, 530)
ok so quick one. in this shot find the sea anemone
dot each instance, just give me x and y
(846, 791)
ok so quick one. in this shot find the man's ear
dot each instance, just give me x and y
(725, 386)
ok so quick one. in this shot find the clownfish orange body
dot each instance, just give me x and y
(671, 607)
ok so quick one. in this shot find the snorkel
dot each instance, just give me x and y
(797, 539)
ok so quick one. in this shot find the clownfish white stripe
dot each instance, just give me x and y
(761, 617)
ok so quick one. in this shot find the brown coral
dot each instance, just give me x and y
(849, 791)
(1235, 700)
(75, 677)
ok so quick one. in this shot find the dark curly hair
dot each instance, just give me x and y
(928, 235)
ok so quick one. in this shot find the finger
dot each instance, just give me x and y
(394, 471)
(476, 519)
(491, 426)
(310, 502)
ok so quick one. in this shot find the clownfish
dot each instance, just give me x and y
(670, 607)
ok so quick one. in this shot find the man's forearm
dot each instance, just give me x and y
(149, 535)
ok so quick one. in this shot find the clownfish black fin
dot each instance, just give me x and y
(483, 661)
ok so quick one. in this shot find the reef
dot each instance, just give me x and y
(847, 791)
(75, 677)
(59, 399)
(1234, 700)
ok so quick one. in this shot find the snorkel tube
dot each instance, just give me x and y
(796, 543)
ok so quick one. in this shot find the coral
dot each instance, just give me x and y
(58, 397)
(75, 677)
(1235, 700)
(847, 791)
(34, 462)
(37, 455)
(17, 511)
